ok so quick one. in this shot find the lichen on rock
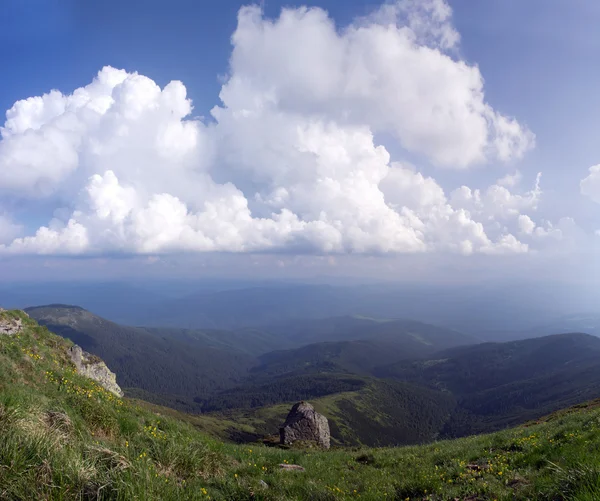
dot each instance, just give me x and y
(9, 325)
(303, 423)
(91, 366)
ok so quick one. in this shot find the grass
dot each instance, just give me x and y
(62, 437)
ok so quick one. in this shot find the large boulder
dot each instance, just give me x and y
(93, 367)
(305, 424)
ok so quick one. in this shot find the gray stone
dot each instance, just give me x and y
(9, 325)
(291, 467)
(305, 424)
(91, 366)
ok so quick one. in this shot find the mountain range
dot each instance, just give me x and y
(381, 381)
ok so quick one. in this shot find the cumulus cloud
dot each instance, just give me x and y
(510, 180)
(526, 224)
(590, 186)
(56, 238)
(497, 201)
(289, 161)
(378, 71)
(547, 235)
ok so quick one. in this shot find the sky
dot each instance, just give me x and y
(406, 140)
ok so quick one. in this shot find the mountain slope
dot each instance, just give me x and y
(582, 322)
(252, 342)
(60, 444)
(499, 384)
(375, 413)
(353, 344)
(357, 357)
(146, 359)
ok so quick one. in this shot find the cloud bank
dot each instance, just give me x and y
(289, 160)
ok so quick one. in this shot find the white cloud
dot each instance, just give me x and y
(376, 71)
(508, 244)
(290, 162)
(405, 186)
(497, 201)
(510, 180)
(57, 238)
(428, 21)
(548, 235)
(590, 186)
(526, 224)
(565, 227)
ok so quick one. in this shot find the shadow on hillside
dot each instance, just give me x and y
(83, 340)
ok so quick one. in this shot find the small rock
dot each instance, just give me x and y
(477, 467)
(305, 424)
(263, 484)
(291, 467)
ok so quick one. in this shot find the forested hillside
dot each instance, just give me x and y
(355, 344)
(150, 360)
(500, 384)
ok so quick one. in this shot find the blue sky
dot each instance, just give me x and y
(536, 63)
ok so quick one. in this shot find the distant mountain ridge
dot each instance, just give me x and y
(488, 311)
(357, 327)
(356, 345)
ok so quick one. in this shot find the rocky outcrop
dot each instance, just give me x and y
(303, 423)
(91, 366)
(9, 325)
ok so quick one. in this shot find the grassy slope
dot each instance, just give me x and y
(62, 437)
(380, 413)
